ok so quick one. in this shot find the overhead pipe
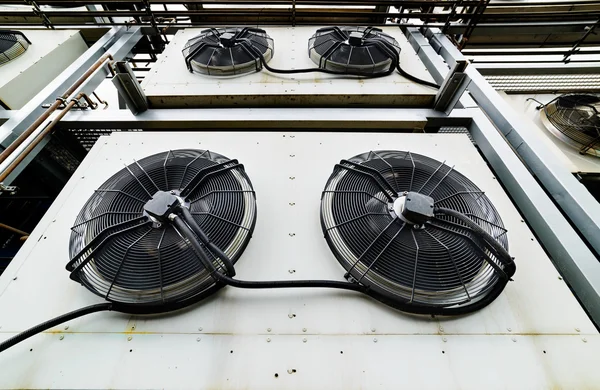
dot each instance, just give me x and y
(46, 114)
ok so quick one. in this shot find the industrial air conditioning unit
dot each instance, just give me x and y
(298, 260)
(31, 59)
(569, 124)
(289, 66)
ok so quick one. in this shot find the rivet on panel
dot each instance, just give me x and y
(200, 329)
(129, 338)
(292, 177)
(268, 339)
(292, 203)
(373, 329)
(67, 327)
(444, 339)
(375, 340)
(509, 329)
(292, 234)
(304, 340)
(61, 337)
(577, 330)
(292, 155)
(441, 328)
(584, 340)
(304, 329)
(559, 278)
(198, 339)
(291, 271)
(514, 339)
(268, 329)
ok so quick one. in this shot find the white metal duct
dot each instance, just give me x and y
(50, 52)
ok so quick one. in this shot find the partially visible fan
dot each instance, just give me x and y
(12, 45)
(575, 119)
(228, 51)
(354, 49)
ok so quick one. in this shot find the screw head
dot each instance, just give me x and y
(67, 327)
(584, 340)
(268, 339)
(444, 339)
(304, 329)
(198, 339)
(61, 337)
(291, 315)
(441, 328)
(375, 340)
(200, 329)
(129, 338)
(509, 329)
(304, 340)
(577, 330)
(373, 329)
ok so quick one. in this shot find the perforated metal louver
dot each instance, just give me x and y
(12, 45)
(124, 255)
(439, 263)
(228, 51)
(356, 49)
(574, 118)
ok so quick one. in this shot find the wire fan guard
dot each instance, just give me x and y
(440, 264)
(12, 45)
(355, 49)
(228, 51)
(574, 118)
(125, 256)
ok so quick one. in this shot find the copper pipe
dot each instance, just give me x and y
(38, 139)
(14, 230)
(24, 135)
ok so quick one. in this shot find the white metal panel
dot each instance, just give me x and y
(50, 52)
(170, 84)
(569, 155)
(536, 309)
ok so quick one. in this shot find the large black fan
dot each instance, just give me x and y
(355, 49)
(418, 234)
(123, 253)
(575, 119)
(12, 45)
(228, 51)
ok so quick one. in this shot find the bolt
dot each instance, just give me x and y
(559, 278)
(61, 337)
(198, 339)
(292, 204)
(514, 339)
(374, 340)
(268, 339)
(509, 329)
(292, 177)
(129, 338)
(292, 155)
(133, 327)
(15, 278)
(373, 329)
(304, 329)
(200, 329)
(304, 340)
(292, 234)
(291, 271)
(268, 329)
(67, 327)
(441, 328)
(584, 340)
(577, 330)
(444, 339)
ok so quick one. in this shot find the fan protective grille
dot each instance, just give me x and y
(440, 263)
(120, 253)
(12, 45)
(331, 48)
(225, 51)
(575, 119)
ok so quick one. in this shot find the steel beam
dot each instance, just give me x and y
(571, 256)
(118, 42)
(260, 118)
(572, 197)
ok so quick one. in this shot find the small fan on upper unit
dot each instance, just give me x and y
(354, 49)
(575, 119)
(12, 45)
(228, 51)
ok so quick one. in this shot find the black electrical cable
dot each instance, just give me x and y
(491, 241)
(416, 79)
(181, 223)
(54, 322)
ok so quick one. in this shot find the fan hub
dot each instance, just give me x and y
(413, 208)
(162, 204)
